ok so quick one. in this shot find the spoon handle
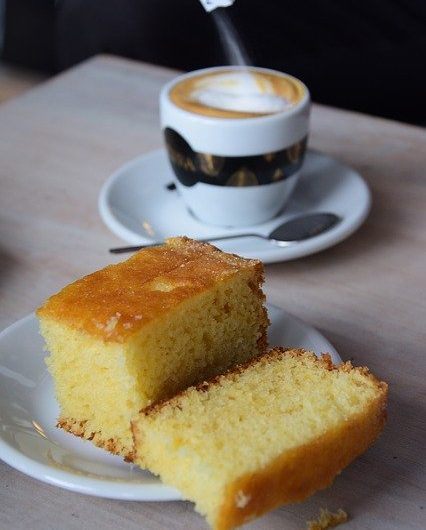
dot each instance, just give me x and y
(122, 250)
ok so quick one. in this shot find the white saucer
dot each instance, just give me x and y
(30, 442)
(136, 205)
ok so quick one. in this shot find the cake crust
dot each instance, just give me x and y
(324, 361)
(112, 445)
(119, 300)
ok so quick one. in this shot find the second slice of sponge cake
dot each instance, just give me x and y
(267, 433)
(140, 331)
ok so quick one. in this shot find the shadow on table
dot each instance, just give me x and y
(8, 264)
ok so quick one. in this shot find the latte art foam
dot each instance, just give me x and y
(237, 93)
(241, 92)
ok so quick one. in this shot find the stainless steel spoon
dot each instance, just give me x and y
(289, 233)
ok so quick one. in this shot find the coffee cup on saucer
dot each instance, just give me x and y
(236, 139)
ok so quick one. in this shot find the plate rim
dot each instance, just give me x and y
(276, 253)
(105, 488)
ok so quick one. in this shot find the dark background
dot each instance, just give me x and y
(362, 55)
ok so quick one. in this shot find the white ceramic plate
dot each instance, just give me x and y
(30, 442)
(136, 205)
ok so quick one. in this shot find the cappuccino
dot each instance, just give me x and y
(237, 93)
(232, 171)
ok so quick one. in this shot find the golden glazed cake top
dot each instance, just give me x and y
(120, 299)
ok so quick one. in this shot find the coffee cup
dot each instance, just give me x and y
(236, 139)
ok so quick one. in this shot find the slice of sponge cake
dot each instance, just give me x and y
(267, 433)
(140, 331)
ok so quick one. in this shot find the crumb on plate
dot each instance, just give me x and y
(327, 519)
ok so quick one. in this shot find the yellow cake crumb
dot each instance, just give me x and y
(327, 519)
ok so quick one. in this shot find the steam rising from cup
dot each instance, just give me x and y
(231, 41)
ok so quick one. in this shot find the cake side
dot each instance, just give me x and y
(117, 301)
(93, 386)
(269, 432)
(202, 337)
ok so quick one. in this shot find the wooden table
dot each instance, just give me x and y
(60, 141)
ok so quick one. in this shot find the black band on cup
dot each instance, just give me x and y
(191, 167)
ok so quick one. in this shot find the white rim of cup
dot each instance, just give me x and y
(229, 122)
